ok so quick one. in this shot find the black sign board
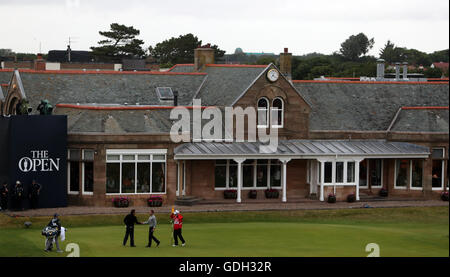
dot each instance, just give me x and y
(36, 150)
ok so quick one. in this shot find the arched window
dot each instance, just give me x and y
(277, 113)
(263, 113)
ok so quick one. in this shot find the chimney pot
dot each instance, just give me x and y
(286, 64)
(202, 57)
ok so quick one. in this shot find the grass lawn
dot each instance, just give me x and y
(399, 232)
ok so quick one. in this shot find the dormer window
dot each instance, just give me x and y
(164, 93)
(277, 113)
(263, 113)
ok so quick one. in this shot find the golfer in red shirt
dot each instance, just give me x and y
(177, 225)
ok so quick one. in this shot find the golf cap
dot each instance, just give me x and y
(176, 212)
(55, 215)
(17, 182)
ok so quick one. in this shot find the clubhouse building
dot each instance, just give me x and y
(340, 136)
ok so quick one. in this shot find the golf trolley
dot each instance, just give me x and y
(50, 237)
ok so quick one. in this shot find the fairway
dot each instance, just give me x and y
(346, 234)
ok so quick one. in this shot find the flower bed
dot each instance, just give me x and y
(444, 196)
(155, 201)
(272, 193)
(230, 194)
(121, 202)
(331, 198)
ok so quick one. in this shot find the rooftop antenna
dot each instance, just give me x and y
(69, 48)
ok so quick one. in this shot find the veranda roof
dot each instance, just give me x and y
(301, 149)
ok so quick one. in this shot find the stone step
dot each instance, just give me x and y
(187, 201)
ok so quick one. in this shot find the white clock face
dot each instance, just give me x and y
(273, 75)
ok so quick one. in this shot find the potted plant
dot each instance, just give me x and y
(351, 198)
(230, 194)
(155, 201)
(121, 202)
(444, 196)
(271, 193)
(331, 198)
(252, 194)
(383, 192)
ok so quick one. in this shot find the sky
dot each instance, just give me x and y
(304, 26)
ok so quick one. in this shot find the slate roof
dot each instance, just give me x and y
(296, 148)
(5, 76)
(117, 121)
(225, 84)
(107, 88)
(182, 68)
(424, 120)
(363, 106)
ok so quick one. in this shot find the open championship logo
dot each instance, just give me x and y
(39, 161)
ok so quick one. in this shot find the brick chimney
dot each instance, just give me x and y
(39, 63)
(286, 64)
(203, 55)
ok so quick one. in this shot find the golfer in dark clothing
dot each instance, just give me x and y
(35, 189)
(152, 226)
(4, 197)
(129, 221)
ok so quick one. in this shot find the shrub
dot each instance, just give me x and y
(331, 198)
(272, 193)
(444, 196)
(155, 201)
(121, 202)
(351, 198)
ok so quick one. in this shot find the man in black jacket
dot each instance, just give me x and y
(129, 221)
(4, 196)
(35, 190)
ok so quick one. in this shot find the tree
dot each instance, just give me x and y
(355, 46)
(6, 52)
(390, 53)
(180, 49)
(121, 43)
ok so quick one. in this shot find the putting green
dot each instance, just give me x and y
(244, 239)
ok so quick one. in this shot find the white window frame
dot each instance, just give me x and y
(68, 175)
(254, 187)
(333, 172)
(136, 152)
(82, 173)
(442, 168)
(266, 109)
(411, 175)
(273, 109)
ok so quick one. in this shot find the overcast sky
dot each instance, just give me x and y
(254, 25)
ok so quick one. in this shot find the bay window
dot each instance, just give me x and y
(136, 171)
